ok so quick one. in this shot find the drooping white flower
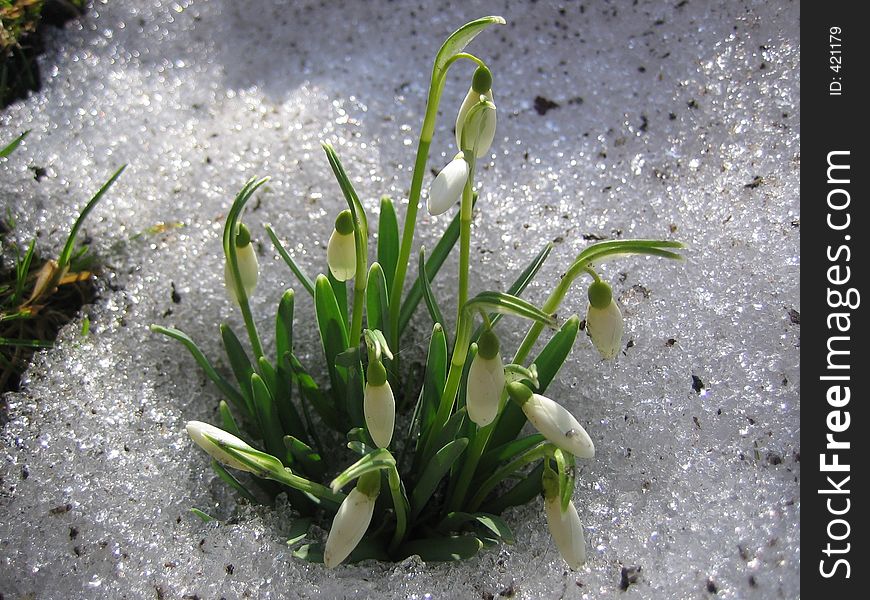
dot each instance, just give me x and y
(341, 249)
(483, 123)
(214, 441)
(352, 520)
(379, 405)
(249, 268)
(566, 530)
(447, 188)
(556, 424)
(486, 381)
(604, 322)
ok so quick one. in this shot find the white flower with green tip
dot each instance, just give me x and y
(249, 267)
(604, 322)
(556, 424)
(341, 249)
(379, 405)
(483, 123)
(352, 520)
(447, 188)
(565, 527)
(486, 381)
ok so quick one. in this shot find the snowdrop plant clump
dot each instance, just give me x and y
(437, 487)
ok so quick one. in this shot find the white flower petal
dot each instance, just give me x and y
(567, 531)
(559, 426)
(341, 255)
(484, 142)
(249, 269)
(380, 412)
(197, 430)
(348, 528)
(484, 388)
(605, 327)
(447, 188)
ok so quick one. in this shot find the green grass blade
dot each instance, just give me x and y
(305, 455)
(229, 392)
(13, 145)
(300, 275)
(428, 295)
(339, 290)
(231, 481)
(267, 417)
(4, 341)
(434, 380)
(203, 516)
(388, 241)
(433, 472)
(377, 300)
(228, 423)
(332, 324)
(67, 251)
(284, 325)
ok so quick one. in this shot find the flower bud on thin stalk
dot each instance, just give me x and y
(483, 123)
(486, 381)
(352, 519)
(565, 527)
(249, 268)
(341, 249)
(215, 441)
(604, 322)
(556, 424)
(379, 405)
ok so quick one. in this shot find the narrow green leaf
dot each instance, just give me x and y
(428, 295)
(11, 147)
(602, 250)
(4, 341)
(284, 325)
(507, 452)
(267, 416)
(520, 284)
(377, 300)
(501, 302)
(333, 334)
(239, 363)
(231, 481)
(388, 242)
(282, 252)
(305, 455)
(451, 429)
(495, 524)
(205, 517)
(433, 385)
(298, 530)
(311, 394)
(222, 384)
(339, 289)
(442, 549)
(228, 423)
(367, 549)
(548, 363)
(523, 492)
(565, 468)
(433, 472)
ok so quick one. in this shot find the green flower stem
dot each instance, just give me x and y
(533, 454)
(360, 280)
(307, 486)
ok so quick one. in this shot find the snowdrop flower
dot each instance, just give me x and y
(447, 188)
(249, 268)
(486, 381)
(553, 421)
(565, 527)
(352, 519)
(481, 85)
(341, 249)
(379, 405)
(604, 320)
(215, 441)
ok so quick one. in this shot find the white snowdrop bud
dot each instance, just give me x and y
(447, 188)
(341, 249)
(556, 424)
(379, 405)
(352, 519)
(483, 124)
(215, 441)
(604, 322)
(249, 268)
(566, 530)
(486, 381)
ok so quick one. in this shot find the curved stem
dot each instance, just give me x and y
(545, 449)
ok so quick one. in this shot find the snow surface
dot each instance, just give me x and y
(678, 120)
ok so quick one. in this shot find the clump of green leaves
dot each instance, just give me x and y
(38, 295)
(438, 487)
